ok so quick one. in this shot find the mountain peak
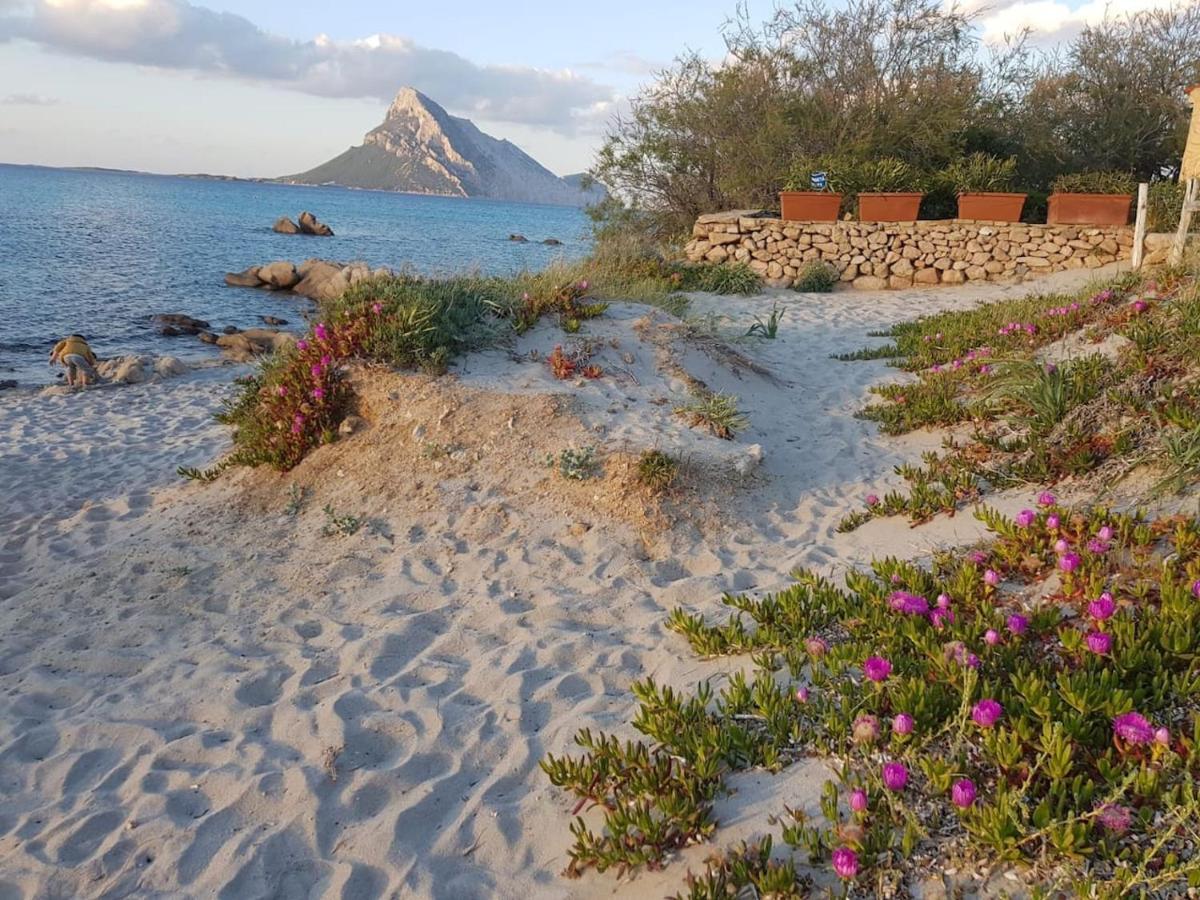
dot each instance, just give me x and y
(420, 148)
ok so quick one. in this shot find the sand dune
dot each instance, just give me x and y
(204, 694)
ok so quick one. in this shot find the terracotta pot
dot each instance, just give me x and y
(809, 206)
(889, 207)
(1089, 209)
(991, 207)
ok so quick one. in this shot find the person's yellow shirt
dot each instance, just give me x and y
(75, 345)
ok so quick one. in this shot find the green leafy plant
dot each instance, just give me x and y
(657, 470)
(980, 173)
(766, 329)
(205, 476)
(1096, 182)
(339, 524)
(879, 175)
(716, 412)
(816, 277)
(295, 500)
(575, 465)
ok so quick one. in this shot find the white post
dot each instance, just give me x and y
(1190, 202)
(1139, 229)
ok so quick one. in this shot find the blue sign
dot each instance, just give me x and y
(819, 180)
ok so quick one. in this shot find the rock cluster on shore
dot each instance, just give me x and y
(316, 279)
(308, 224)
(877, 255)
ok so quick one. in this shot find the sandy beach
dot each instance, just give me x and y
(203, 693)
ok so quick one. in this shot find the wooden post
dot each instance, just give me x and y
(1191, 199)
(1139, 229)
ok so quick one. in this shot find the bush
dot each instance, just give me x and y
(980, 173)
(719, 278)
(882, 175)
(816, 277)
(1164, 205)
(657, 470)
(1095, 183)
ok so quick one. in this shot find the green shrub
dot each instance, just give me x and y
(980, 173)
(1095, 183)
(883, 175)
(816, 277)
(1164, 204)
(720, 278)
(657, 470)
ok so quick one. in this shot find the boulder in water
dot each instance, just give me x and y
(518, 238)
(173, 324)
(280, 275)
(284, 225)
(310, 225)
(247, 278)
(168, 367)
(552, 242)
(272, 320)
(322, 280)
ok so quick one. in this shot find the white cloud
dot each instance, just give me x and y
(29, 100)
(175, 34)
(1049, 20)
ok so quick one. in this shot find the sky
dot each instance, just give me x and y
(270, 87)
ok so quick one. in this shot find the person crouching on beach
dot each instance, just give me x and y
(77, 358)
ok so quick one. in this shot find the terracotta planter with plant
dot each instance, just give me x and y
(810, 193)
(809, 206)
(888, 190)
(1091, 198)
(984, 187)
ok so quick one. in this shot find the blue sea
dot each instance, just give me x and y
(99, 252)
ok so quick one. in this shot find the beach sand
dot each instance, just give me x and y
(202, 693)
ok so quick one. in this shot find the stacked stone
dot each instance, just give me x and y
(876, 255)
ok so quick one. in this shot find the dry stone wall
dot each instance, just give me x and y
(875, 255)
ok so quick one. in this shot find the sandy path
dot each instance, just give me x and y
(199, 697)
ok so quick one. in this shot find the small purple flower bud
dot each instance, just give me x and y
(895, 776)
(991, 637)
(1102, 607)
(858, 800)
(802, 695)
(991, 577)
(1162, 736)
(1025, 517)
(1069, 562)
(963, 793)
(1018, 624)
(1046, 499)
(902, 724)
(1052, 522)
(1099, 642)
(987, 713)
(845, 863)
(1061, 546)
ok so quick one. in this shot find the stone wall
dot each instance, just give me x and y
(874, 255)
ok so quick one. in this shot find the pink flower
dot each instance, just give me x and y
(320, 332)
(1099, 642)
(1025, 517)
(1045, 498)
(318, 393)
(1018, 624)
(909, 604)
(1162, 736)
(865, 730)
(895, 776)
(1052, 522)
(377, 308)
(902, 724)
(816, 647)
(940, 618)
(1140, 306)
(943, 601)
(1097, 546)
(858, 800)
(326, 359)
(1196, 588)
(987, 713)
(1133, 728)
(872, 500)
(973, 661)
(1102, 607)
(1061, 546)
(302, 344)
(963, 793)
(991, 577)
(978, 557)
(316, 370)
(991, 637)
(1115, 819)
(1069, 562)
(1105, 533)
(845, 862)
(877, 668)
(802, 695)
(281, 391)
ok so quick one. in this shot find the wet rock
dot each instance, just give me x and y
(284, 225)
(207, 337)
(230, 329)
(310, 225)
(247, 278)
(168, 367)
(281, 275)
(174, 324)
(518, 238)
(7, 384)
(552, 242)
(273, 321)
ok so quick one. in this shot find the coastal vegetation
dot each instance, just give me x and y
(897, 95)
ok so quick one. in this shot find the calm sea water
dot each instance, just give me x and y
(101, 252)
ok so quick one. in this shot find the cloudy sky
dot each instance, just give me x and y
(266, 87)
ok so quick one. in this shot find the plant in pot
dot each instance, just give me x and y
(983, 186)
(888, 189)
(1091, 198)
(809, 194)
